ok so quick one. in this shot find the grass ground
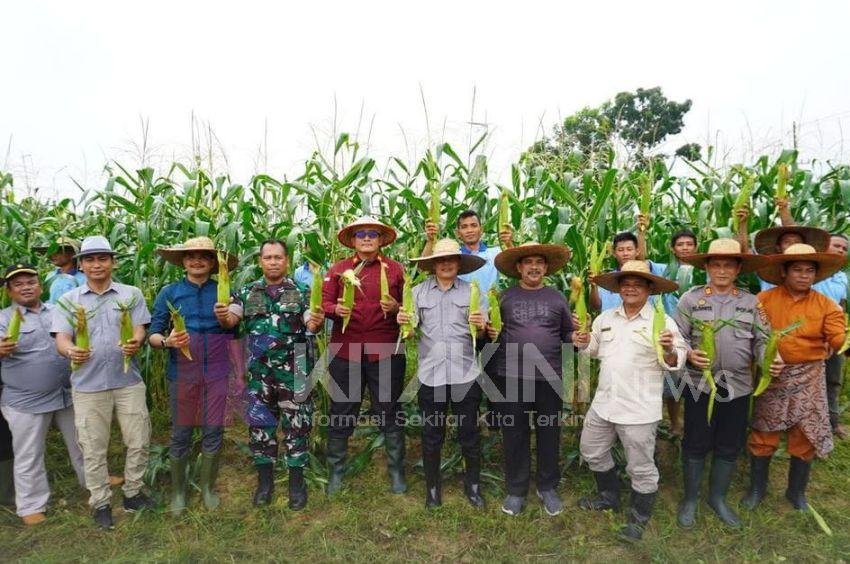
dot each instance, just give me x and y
(367, 523)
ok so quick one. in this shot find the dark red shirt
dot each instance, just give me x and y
(368, 333)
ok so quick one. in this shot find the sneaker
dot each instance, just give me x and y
(138, 502)
(551, 502)
(103, 517)
(513, 505)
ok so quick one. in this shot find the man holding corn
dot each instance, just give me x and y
(635, 343)
(273, 314)
(728, 316)
(795, 401)
(527, 370)
(197, 381)
(36, 390)
(103, 382)
(448, 369)
(363, 346)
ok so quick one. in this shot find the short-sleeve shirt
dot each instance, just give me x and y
(487, 276)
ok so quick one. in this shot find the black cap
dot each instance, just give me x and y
(18, 268)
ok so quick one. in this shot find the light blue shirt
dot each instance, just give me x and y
(303, 276)
(60, 283)
(834, 287)
(487, 275)
(611, 300)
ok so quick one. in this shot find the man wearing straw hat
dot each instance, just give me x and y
(627, 402)
(795, 401)
(774, 240)
(100, 385)
(448, 370)
(66, 276)
(274, 316)
(364, 354)
(739, 341)
(527, 369)
(197, 381)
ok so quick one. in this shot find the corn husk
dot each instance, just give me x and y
(504, 214)
(406, 329)
(474, 298)
(770, 352)
(316, 288)
(495, 311)
(742, 201)
(659, 323)
(179, 323)
(126, 327)
(223, 289)
(349, 283)
(782, 174)
(13, 332)
(578, 300)
(385, 286)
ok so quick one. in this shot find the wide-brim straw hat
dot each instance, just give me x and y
(611, 280)
(726, 248)
(174, 255)
(767, 239)
(449, 248)
(556, 257)
(828, 263)
(345, 234)
(61, 243)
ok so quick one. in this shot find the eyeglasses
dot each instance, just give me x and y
(364, 233)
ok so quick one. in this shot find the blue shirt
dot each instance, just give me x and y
(303, 275)
(612, 299)
(209, 341)
(487, 275)
(834, 287)
(60, 283)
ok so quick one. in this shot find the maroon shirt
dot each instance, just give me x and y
(368, 332)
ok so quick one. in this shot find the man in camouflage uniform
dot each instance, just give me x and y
(273, 314)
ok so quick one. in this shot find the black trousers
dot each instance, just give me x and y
(530, 403)
(726, 435)
(434, 403)
(385, 380)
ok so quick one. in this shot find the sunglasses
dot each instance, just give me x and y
(364, 233)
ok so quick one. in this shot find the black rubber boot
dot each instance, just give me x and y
(759, 466)
(798, 479)
(209, 474)
(719, 480)
(639, 514)
(394, 443)
(297, 489)
(608, 486)
(472, 480)
(433, 482)
(337, 452)
(178, 484)
(265, 485)
(692, 469)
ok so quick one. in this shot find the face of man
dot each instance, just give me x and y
(273, 262)
(634, 291)
(98, 268)
(469, 231)
(787, 240)
(198, 263)
(367, 241)
(532, 270)
(446, 268)
(625, 251)
(62, 258)
(799, 276)
(722, 271)
(24, 289)
(684, 246)
(837, 245)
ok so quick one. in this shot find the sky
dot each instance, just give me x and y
(273, 81)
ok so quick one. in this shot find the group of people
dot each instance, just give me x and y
(264, 334)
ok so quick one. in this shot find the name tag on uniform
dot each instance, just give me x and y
(604, 329)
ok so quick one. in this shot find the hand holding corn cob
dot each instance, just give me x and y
(474, 310)
(578, 300)
(408, 321)
(771, 353)
(349, 283)
(179, 324)
(223, 288)
(128, 345)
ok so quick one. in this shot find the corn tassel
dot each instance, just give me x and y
(385, 286)
(349, 282)
(577, 298)
(495, 311)
(659, 323)
(179, 323)
(14, 330)
(742, 201)
(125, 328)
(846, 344)
(223, 296)
(81, 331)
(407, 307)
(770, 352)
(504, 215)
(316, 289)
(782, 174)
(474, 307)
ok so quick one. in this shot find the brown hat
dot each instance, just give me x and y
(726, 248)
(611, 280)
(828, 263)
(767, 239)
(556, 257)
(449, 248)
(174, 255)
(345, 234)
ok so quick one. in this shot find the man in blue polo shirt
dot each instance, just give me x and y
(66, 276)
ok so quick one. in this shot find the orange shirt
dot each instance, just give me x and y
(822, 329)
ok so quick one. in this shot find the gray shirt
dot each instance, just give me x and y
(445, 346)
(105, 369)
(737, 346)
(35, 376)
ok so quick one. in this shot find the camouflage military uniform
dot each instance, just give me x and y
(279, 362)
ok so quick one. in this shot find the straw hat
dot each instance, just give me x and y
(828, 263)
(345, 234)
(449, 248)
(61, 243)
(726, 248)
(611, 280)
(767, 239)
(174, 255)
(556, 257)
